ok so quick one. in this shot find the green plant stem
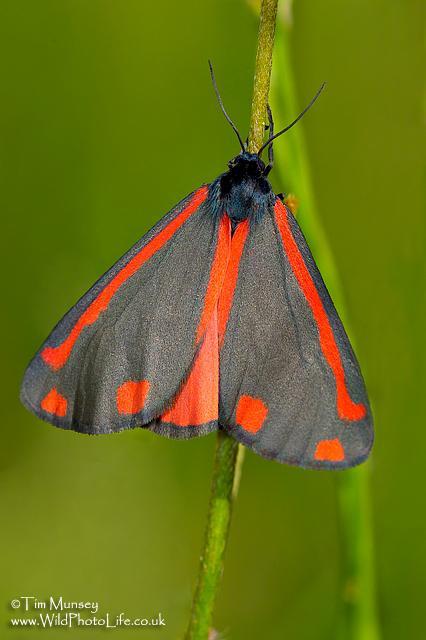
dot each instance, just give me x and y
(262, 73)
(229, 455)
(215, 538)
(359, 619)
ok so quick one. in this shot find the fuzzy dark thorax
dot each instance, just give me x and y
(243, 191)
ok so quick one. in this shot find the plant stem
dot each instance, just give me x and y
(215, 538)
(359, 619)
(262, 73)
(229, 455)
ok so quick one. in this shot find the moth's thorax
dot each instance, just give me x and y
(244, 191)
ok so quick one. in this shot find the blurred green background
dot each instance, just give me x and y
(107, 119)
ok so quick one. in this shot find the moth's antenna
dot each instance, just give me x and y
(268, 142)
(223, 108)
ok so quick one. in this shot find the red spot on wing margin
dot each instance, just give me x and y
(347, 409)
(330, 451)
(131, 396)
(251, 413)
(56, 357)
(54, 403)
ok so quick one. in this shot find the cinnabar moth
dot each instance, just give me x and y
(217, 318)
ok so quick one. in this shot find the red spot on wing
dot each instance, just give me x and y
(56, 357)
(131, 396)
(227, 294)
(54, 403)
(197, 402)
(251, 413)
(217, 275)
(347, 409)
(329, 450)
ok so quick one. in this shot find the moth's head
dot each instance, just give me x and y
(248, 165)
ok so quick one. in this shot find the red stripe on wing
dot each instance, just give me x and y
(197, 402)
(217, 275)
(227, 294)
(56, 357)
(347, 409)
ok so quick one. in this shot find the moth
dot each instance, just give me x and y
(218, 318)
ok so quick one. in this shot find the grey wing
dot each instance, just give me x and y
(290, 385)
(119, 356)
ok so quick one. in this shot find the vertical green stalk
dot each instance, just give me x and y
(215, 538)
(359, 619)
(359, 616)
(262, 74)
(229, 455)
